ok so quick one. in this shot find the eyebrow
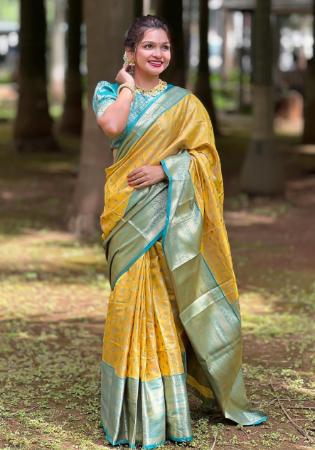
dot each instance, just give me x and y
(152, 42)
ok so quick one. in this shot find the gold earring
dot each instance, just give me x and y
(127, 60)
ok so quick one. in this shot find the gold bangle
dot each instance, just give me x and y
(126, 85)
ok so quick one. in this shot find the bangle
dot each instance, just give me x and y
(126, 85)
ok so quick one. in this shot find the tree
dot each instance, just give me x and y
(106, 23)
(33, 124)
(172, 12)
(262, 171)
(71, 121)
(138, 7)
(203, 86)
(56, 59)
(309, 109)
(188, 23)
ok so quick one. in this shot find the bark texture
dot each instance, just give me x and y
(33, 124)
(172, 12)
(106, 23)
(71, 121)
(262, 172)
(203, 84)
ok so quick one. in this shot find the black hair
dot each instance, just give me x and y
(139, 26)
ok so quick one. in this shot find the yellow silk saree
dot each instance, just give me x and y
(173, 318)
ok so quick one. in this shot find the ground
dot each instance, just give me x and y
(53, 300)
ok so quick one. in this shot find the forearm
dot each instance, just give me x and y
(114, 120)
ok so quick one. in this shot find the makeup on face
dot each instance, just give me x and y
(153, 52)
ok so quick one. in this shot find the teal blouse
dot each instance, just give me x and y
(106, 93)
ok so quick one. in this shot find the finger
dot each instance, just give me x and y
(143, 185)
(137, 181)
(135, 172)
(136, 177)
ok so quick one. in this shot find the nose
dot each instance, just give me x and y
(157, 52)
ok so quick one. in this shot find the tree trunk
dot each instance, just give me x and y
(228, 56)
(106, 22)
(71, 121)
(309, 108)
(33, 124)
(203, 85)
(56, 39)
(172, 12)
(138, 8)
(262, 172)
(187, 25)
(148, 5)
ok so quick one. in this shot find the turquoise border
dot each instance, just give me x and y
(132, 124)
(164, 232)
(148, 447)
(263, 419)
(220, 288)
(169, 201)
(160, 234)
(137, 256)
(128, 141)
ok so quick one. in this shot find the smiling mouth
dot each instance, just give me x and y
(156, 63)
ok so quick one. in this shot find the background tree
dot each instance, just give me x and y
(56, 48)
(262, 171)
(309, 109)
(138, 7)
(106, 23)
(188, 23)
(33, 124)
(203, 84)
(71, 121)
(172, 12)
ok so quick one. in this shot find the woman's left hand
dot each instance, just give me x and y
(146, 176)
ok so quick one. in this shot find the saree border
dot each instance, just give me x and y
(147, 106)
(211, 321)
(146, 447)
(166, 391)
(169, 199)
(137, 256)
(151, 114)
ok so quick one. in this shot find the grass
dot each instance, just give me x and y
(53, 302)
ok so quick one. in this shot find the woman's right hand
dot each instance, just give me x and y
(124, 77)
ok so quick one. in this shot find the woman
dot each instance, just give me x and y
(173, 316)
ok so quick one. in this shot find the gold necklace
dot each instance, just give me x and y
(154, 91)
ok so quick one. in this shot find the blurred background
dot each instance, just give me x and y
(252, 65)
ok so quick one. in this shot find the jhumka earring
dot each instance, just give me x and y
(130, 65)
(127, 60)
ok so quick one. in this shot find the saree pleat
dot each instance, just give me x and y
(143, 376)
(173, 318)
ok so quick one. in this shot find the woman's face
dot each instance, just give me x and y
(153, 52)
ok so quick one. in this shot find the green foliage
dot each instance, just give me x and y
(9, 10)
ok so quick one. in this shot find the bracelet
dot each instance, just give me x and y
(126, 85)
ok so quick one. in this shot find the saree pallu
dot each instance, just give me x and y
(173, 316)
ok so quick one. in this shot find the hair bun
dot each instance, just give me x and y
(135, 32)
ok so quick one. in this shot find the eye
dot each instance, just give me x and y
(166, 47)
(148, 46)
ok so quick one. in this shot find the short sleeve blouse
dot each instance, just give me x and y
(104, 95)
